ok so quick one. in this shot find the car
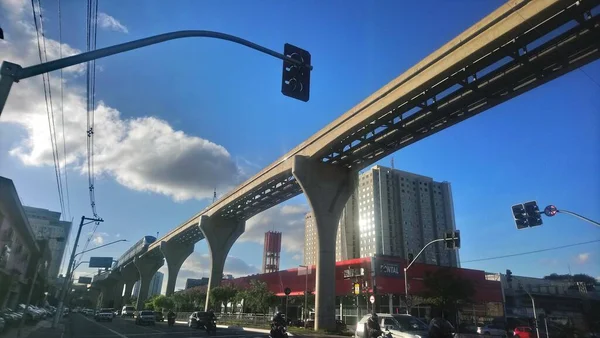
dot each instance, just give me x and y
(405, 326)
(145, 317)
(523, 332)
(198, 319)
(160, 317)
(492, 329)
(2, 324)
(104, 315)
(128, 311)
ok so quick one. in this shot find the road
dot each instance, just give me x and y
(86, 327)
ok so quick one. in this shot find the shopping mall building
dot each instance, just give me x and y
(385, 276)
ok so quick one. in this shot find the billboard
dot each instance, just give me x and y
(101, 262)
(84, 280)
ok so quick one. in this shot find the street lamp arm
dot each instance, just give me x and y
(98, 247)
(420, 252)
(578, 216)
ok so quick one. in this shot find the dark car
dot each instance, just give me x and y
(198, 319)
(160, 317)
(145, 317)
(104, 314)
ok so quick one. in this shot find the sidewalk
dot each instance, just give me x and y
(42, 329)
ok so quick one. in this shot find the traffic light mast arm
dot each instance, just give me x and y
(578, 216)
(10, 72)
(420, 252)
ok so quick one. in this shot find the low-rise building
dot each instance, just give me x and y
(19, 250)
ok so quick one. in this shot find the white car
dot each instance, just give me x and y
(399, 326)
(492, 329)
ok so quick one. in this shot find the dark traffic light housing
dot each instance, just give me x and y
(452, 239)
(296, 78)
(508, 276)
(527, 215)
(532, 210)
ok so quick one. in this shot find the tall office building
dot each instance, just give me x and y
(271, 252)
(347, 240)
(155, 285)
(400, 212)
(392, 213)
(46, 224)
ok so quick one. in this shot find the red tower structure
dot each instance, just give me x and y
(271, 252)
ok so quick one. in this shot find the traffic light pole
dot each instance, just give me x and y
(11, 72)
(410, 264)
(579, 216)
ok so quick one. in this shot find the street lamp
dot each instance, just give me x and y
(305, 291)
(537, 330)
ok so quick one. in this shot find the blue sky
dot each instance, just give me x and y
(222, 102)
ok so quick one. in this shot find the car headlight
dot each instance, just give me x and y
(417, 336)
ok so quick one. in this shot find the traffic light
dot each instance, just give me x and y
(296, 78)
(411, 257)
(508, 276)
(520, 216)
(356, 289)
(534, 218)
(1, 34)
(452, 239)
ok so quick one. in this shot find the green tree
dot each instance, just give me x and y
(258, 298)
(446, 290)
(163, 303)
(222, 294)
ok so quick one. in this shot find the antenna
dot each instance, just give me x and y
(215, 195)
(392, 162)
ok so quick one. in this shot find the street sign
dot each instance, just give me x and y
(287, 291)
(550, 211)
(372, 299)
(357, 289)
(84, 280)
(101, 262)
(351, 273)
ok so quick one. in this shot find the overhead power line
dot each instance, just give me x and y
(530, 252)
(43, 56)
(62, 114)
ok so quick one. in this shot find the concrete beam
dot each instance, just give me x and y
(220, 234)
(147, 267)
(175, 254)
(327, 189)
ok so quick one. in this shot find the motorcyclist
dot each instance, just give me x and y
(373, 327)
(211, 318)
(277, 325)
(171, 317)
(439, 327)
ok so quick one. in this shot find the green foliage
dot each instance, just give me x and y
(222, 294)
(447, 291)
(163, 303)
(257, 298)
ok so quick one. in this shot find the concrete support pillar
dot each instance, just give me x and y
(147, 267)
(220, 234)
(118, 294)
(175, 254)
(327, 189)
(130, 275)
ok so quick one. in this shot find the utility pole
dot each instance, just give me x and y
(68, 275)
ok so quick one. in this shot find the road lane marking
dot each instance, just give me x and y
(109, 329)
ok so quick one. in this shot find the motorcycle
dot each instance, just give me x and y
(211, 326)
(278, 331)
(171, 320)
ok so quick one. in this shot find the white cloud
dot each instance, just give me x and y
(287, 219)
(118, 235)
(583, 257)
(98, 240)
(108, 22)
(143, 153)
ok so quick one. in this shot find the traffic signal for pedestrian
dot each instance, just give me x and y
(534, 218)
(452, 239)
(508, 276)
(296, 78)
(520, 216)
